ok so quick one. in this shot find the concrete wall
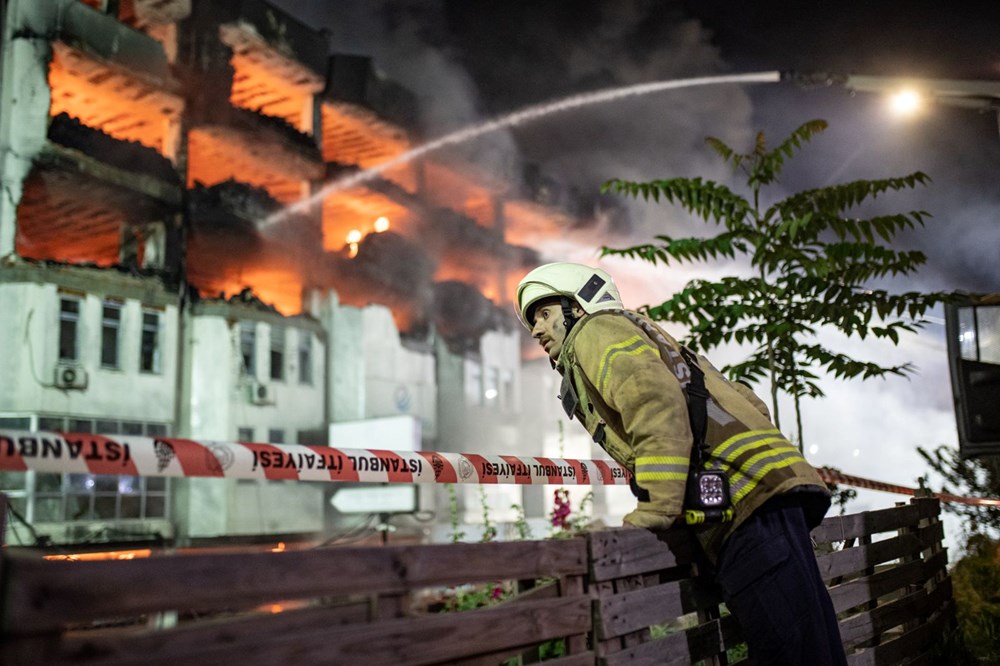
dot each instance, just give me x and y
(24, 99)
(31, 324)
(219, 401)
(373, 373)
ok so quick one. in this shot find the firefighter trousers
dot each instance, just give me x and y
(770, 581)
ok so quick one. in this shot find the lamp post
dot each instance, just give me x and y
(908, 92)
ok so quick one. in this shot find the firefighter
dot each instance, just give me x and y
(744, 489)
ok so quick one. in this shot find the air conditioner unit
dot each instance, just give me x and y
(70, 377)
(261, 393)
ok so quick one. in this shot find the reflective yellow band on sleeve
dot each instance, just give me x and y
(661, 476)
(736, 445)
(661, 468)
(661, 460)
(631, 347)
(746, 480)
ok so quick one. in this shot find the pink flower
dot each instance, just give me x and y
(562, 510)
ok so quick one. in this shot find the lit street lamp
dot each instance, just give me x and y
(909, 93)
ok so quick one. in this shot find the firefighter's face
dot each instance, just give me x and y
(550, 327)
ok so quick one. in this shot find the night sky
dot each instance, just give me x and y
(468, 61)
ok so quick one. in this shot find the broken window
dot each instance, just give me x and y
(277, 353)
(305, 358)
(248, 347)
(244, 434)
(69, 328)
(111, 322)
(149, 343)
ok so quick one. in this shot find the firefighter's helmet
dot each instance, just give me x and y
(592, 288)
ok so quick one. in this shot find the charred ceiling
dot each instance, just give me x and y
(133, 157)
(176, 148)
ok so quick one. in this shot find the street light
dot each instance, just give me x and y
(982, 96)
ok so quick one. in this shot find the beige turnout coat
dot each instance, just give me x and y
(623, 378)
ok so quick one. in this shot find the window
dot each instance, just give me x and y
(149, 343)
(248, 347)
(276, 436)
(244, 434)
(491, 386)
(473, 383)
(15, 422)
(111, 322)
(69, 324)
(48, 497)
(507, 390)
(305, 357)
(277, 353)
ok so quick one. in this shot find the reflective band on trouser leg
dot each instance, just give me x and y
(661, 468)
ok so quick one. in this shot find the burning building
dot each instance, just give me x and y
(152, 280)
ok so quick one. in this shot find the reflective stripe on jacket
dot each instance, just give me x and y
(628, 376)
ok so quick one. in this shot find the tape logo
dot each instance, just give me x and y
(438, 464)
(465, 468)
(219, 458)
(164, 454)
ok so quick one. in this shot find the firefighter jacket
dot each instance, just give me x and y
(624, 379)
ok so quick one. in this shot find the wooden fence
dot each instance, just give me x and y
(609, 597)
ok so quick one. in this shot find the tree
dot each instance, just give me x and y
(976, 477)
(812, 267)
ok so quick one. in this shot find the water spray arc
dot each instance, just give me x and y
(514, 119)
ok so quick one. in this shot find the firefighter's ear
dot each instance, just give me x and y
(577, 310)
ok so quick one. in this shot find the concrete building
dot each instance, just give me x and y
(158, 278)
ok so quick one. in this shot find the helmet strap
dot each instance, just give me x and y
(567, 310)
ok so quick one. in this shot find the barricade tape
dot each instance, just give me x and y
(80, 453)
(161, 456)
(835, 476)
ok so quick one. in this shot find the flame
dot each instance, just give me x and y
(353, 135)
(111, 100)
(280, 548)
(269, 83)
(357, 209)
(471, 196)
(217, 154)
(110, 555)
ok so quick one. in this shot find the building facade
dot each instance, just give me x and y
(174, 262)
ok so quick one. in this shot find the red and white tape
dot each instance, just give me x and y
(148, 456)
(836, 476)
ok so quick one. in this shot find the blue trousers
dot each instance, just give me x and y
(771, 583)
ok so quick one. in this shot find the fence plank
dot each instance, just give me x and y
(683, 647)
(208, 634)
(868, 588)
(908, 645)
(863, 627)
(855, 525)
(631, 611)
(431, 639)
(625, 552)
(857, 558)
(50, 593)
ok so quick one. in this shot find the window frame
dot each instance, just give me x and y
(157, 352)
(69, 319)
(279, 345)
(115, 326)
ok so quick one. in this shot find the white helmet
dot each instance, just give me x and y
(592, 288)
